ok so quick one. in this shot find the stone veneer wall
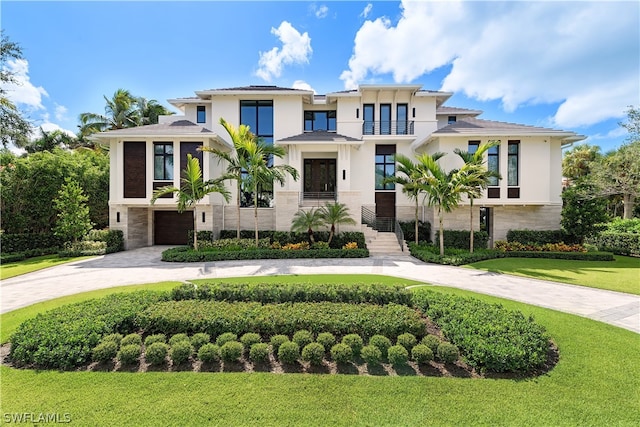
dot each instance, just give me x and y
(137, 233)
(265, 218)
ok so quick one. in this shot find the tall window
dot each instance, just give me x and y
(368, 115)
(493, 163)
(201, 116)
(402, 111)
(385, 166)
(258, 115)
(163, 161)
(473, 147)
(513, 163)
(319, 120)
(385, 119)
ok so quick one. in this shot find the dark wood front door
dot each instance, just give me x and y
(319, 177)
(385, 204)
(171, 227)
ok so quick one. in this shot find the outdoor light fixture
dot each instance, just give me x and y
(117, 216)
(357, 113)
(202, 216)
(344, 174)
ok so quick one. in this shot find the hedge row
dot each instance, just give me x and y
(216, 317)
(285, 237)
(186, 254)
(459, 239)
(619, 243)
(29, 253)
(409, 231)
(266, 293)
(539, 237)
(489, 336)
(11, 243)
(63, 338)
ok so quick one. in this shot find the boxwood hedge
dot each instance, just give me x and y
(186, 254)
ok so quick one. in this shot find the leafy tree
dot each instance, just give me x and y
(73, 221)
(632, 125)
(335, 213)
(47, 141)
(192, 191)
(476, 179)
(578, 161)
(581, 212)
(306, 221)
(14, 128)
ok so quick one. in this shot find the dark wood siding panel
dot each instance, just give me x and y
(135, 169)
(189, 148)
(493, 192)
(385, 204)
(171, 227)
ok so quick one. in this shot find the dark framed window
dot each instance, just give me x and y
(258, 115)
(473, 146)
(163, 161)
(493, 164)
(452, 119)
(385, 119)
(402, 116)
(385, 166)
(319, 120)
(201, 115)
(368, 115)
(513, 163)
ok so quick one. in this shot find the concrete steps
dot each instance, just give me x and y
(382, 243)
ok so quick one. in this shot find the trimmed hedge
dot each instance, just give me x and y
(373, 293)
(114, 239)
(459, 239)
(64, 338)
(186, 254)
(11, 243)
(619, 243)
(539, 237)
(217, 317)
(286, 237)
(409, 231)
(490, 336)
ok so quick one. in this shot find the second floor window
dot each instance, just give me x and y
(258, 115)
(368, 115)
(163, 161)
(201, 116)
(493, 164)
(513, 163)
(319, 120)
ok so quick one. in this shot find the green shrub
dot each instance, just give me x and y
(288, 352)
(209, 353)
(117, 338)
(313, 353)
(249, 339)
(355, 342)
(374, 293)
(327, 339)
(131, 339)
(397, 355)
(176, 338)
(203, 236)
(259, 352)
(459, 239)
(407, 340)
(409, 231)
(64, 338)
(320, 245)
(432, 342)
(225, 338)
(383, 343)
(447, 352)
(277, 341)
(185, 254)
(285, 237)
(231, 351)
(232, 244)
(302, 337)
(129, 354)
(371, 354)
(421, 354)
(199, 339)
(180, 352)
(154, 339)
(105, 351)
(539, 237)
(156, 353)
(619, 243)
(341, 353)
(620, 225)
(23, 242)
(113, 239)
(83, 248)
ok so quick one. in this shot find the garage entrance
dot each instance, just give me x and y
(171, 227)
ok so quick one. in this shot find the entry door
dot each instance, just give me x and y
(320, 176)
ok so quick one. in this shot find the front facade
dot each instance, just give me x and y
(342, 145)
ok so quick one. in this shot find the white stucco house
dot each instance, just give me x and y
(342, 145)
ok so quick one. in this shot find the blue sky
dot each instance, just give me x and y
(567, 65)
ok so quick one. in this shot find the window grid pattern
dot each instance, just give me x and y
(163, 161)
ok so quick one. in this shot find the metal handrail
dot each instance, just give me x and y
(388, 127)
(319, 198)
(399, 234)
(368, 217)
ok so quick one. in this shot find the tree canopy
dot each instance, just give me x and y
(14, 128)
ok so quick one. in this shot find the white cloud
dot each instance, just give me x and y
(367, 10)
(48, 126)
(301, 84)
(320, 12)
(577, 54)
(61, 112)
(296, 49)
(22, 91)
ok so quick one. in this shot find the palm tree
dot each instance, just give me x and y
(149, 111)
(335, 213)
(257, 155)
(477, 178)
(47, 141)
(192, 190)
(411, 182)
(306, 221)
(120, 113)
(443, 189)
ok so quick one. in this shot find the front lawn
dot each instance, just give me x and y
(594, 383)
(12, 269)
(622, 275)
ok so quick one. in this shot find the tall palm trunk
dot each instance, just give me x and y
(416, 219)
(238, 210)
(440, 220)
(195, 227)
(471, 226)
(255, 207)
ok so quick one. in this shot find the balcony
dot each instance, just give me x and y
(388, 127)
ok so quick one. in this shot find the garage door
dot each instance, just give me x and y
(171, 227)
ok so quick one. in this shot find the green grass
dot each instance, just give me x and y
(596, 382)
(12, 269)
(622, 275)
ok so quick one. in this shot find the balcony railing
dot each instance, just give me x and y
(309, 198)
(388, 127)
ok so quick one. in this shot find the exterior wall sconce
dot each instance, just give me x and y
(203, 216)
(344, 174)
(117, 216)
(357, 113)
(413, 112)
